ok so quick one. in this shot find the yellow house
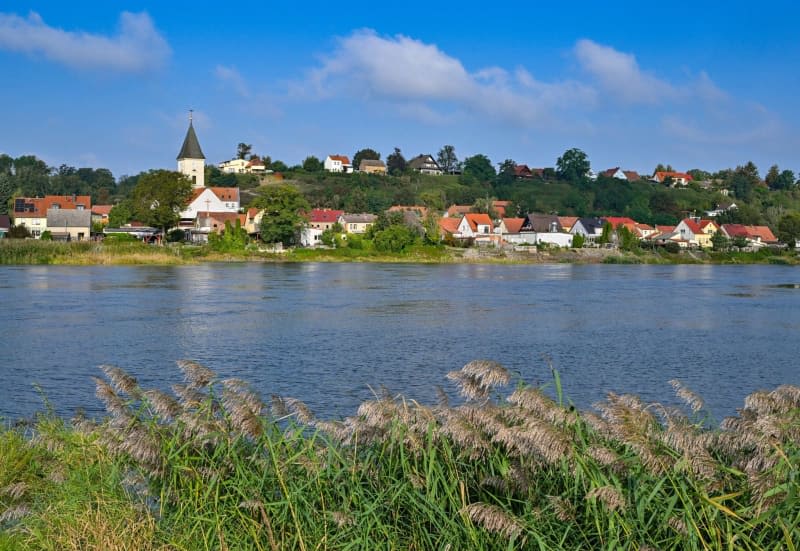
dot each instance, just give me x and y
(357, 223)
(372, 166)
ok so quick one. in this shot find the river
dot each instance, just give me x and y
(333, 334)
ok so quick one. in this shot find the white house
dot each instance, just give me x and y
(338, 163)
(211, 199)
(476, 225)
(191, 161)
(242, 166)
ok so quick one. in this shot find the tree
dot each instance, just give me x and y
(233, 238)
(447, 159)
(394, 239)
(396, 163)
(278, 166)
(719, 242)
(505, 172)
(775, 179)
(312, 164)
(284, 217)
(479, 168)
(365, 154)
(662, 168)
(6, 191)
(789, 229)
(18, 232)
(483, 205)
(573, 165)
(243, 150)
(159, 197)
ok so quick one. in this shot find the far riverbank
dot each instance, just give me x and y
(30, 252)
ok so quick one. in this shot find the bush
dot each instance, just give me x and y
(47, 235)
(176, 236)
(394, 239)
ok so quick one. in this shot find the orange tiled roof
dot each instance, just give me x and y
(474, 219)
(513, 224)
(42, 204)
(449, 225)
(102, 209)
(458, 209)
(345, 160)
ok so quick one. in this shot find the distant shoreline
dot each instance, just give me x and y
(29, 252)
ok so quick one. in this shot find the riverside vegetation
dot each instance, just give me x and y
(211, 466)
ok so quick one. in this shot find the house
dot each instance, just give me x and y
(522, 172)
(208, 200)
(696, 232)
(252, 221)
(5, 225)
(254, 165)
(69, 224)
(537, 229)
(100, 213)
(458, 211)
(632, 175)
(508, 229)
(541, 223)
(721, 207)
(32, 212)
(338, 163)
(567, 222)
(614, 173)
(207, 223)
(323, 219)
(499, 207)
(357, 223)
(476, 225)
(756, 236)
(645, 231)
(448, 228)
(425, 164)
(677, 178)
(372, 166)
(589, 228)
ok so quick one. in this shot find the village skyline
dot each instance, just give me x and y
(96, 85)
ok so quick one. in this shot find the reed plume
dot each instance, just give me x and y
(479, 377)
(494, 519)
(693, 400)
(195, 374)
(609, 496)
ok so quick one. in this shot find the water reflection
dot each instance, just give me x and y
(327, 333)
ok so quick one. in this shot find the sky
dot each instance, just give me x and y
(633, 84)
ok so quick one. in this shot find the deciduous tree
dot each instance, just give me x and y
(284, 214)
(479, 168)
(312, 164)
(447, 159)
(573, 165)
(159, 197)
(243, 150)
(365, 154)
(396, 163)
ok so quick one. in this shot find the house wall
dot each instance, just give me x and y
(35, 225)
(555, 238)
(332, 166)
(214, 205)
(310, 237)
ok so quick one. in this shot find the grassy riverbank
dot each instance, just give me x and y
(211, 467)
(21, 252)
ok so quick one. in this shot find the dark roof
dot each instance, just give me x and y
(591, 225)
(422, 161)
(63, 218)
(541, 223)
(191, 147)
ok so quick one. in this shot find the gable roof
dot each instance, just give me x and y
(371, 162)
(610, 172)
(522, 171)
(37, 207)
(222, 193)
(191, 147)
(344, 159)
(475, 219)
(459, 210)
(102, 209)
(616, 221)
(416, 209)
(632, 175)
(68, 218)
(449, 225)
(513, 225)
(693, 226)
(660, 176)
(420, 161)
(542, 223)
(359, 218)
(591, 225)
(567, 221)
(325, 216)
(762, 232)
(500, 207)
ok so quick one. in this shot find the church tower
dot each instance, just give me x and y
(191, 160)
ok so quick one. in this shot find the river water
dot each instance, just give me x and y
(333, 334)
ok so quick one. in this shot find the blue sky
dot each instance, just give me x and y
(692, 84)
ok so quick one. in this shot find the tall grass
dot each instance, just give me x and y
(211, 466)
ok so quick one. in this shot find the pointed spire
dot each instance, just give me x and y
(191, 146)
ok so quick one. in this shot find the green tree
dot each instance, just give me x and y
(243, 150)
(329, 236)
(18, 232)
(312, 164)
(278, 166)
(627, 239)
(573, 165)
(605, 236)
(483, 205)
(506, 172)
(365, 154)
(578, 241)
(6, 191)
(789, 229)
(159, 197)
(719, 242)
(121, 214)
(775, 179)
(662, 168)
(396, 163)
(447, 159)
(232, 238)
(478, 168)
(284, 216)
(396, 238)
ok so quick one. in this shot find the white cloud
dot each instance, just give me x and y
(137, 47)
(230, 75)
(422, 79)
(619, 74)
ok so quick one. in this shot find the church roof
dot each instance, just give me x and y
(191, 147)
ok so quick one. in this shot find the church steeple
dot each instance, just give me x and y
(191, 160)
